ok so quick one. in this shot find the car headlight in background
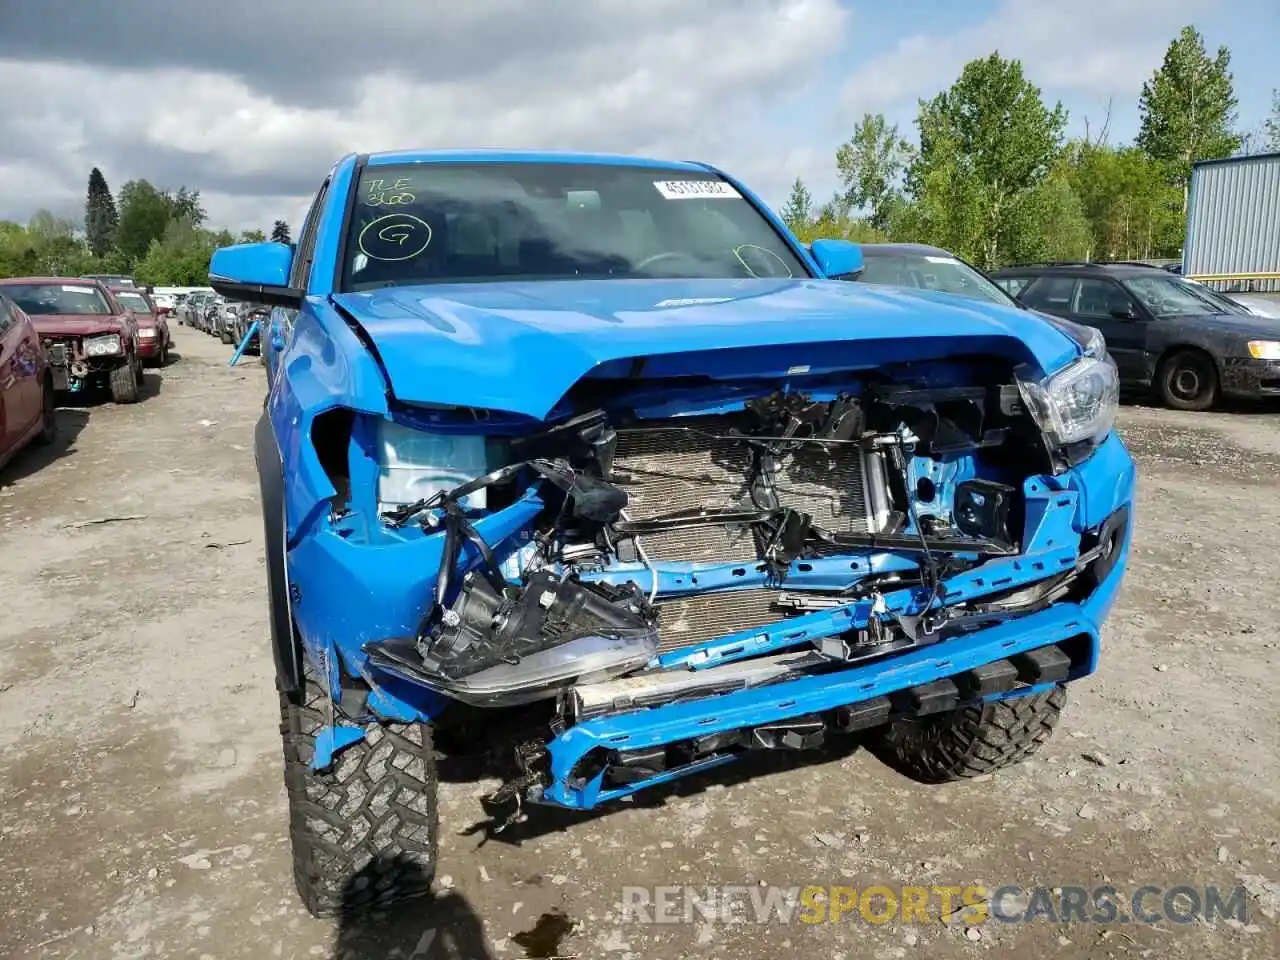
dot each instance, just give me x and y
(1264, 349)
(104, 346)
(1079, 402)
(147, 333)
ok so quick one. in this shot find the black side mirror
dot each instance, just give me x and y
(1124, 313)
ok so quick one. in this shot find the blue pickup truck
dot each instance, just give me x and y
(587, 459)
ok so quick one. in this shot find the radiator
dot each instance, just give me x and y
(667, 470)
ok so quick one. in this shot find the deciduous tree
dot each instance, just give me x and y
(871, 165)
(983, 143)
(1188, 108)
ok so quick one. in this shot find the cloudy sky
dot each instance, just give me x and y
(250, 101)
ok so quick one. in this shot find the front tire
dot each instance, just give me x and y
(364, 831)
(1188, 380)
(48, 415)
(975, 739)
(124, 382)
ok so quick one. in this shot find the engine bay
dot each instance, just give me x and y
(783, 519)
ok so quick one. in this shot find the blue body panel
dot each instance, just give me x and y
(473, 344)
(517, 348)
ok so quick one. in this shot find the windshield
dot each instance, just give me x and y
(442, 223)
(133, 301)
(68, 299)
(1216, 301)
(1168, 297)
(929, 272)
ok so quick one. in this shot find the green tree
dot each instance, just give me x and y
(185, 205)
(100, 216)
(252, 236)
(181, 256)
(1272, 124)
(145, 212)
(799, 209)
(871, 164)
(983, 143)
(1133, 211)
(1188, 108)
(280, 232)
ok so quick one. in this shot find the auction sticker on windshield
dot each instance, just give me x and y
(696, 190)
(942, 259)
(70, 289)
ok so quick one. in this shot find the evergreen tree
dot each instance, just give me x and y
(100, 215)
(796, 214)
(280, 232)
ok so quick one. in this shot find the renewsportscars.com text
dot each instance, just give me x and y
(971, 904)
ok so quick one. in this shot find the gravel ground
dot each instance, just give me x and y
(144, 812)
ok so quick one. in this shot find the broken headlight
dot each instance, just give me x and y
(105, 346)
(1079, 402)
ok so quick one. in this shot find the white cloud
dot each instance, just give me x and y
(1090, 48)
(690, 81)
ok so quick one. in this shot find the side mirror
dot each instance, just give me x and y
(1124, 313)
(255, 271)
(837, 259)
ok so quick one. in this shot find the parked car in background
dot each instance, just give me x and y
(27, 409)
(193, 309)
(153, 327)
(229, 321)
(90, 339)
(921, 267)
(112, 279)
(1164, 333)
(244, 321)
(164, 303)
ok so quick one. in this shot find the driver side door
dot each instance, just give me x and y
(1104, 304)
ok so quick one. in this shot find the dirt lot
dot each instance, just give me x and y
(143, 810)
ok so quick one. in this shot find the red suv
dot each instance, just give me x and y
(26, 384)
(90, 339)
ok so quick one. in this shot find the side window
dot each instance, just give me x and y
(1102, 300)
(300, 275)
(1050, 294)
(1012, 285)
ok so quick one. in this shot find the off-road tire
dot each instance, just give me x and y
(1188, 380)
(48, 415)
(124, 383)
(975, 739)
(364, 831)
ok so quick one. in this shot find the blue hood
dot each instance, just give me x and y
(519, 347)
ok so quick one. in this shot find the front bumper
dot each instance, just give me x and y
(581, 762)
(1247, 377)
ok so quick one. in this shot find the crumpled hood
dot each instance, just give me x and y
(519, 347)
(58, 325)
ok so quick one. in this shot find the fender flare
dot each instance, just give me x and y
(286, 645)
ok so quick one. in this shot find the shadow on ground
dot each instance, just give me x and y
(35, 457)
(444, 927)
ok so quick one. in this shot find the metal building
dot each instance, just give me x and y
(1233, 223)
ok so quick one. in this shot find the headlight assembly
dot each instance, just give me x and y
(104, 346)
(1264, 349)
(1079, 402)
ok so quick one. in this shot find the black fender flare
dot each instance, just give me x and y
(286, 645)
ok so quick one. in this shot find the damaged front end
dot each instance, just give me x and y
(680, 571)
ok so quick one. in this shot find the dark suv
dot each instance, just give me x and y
(1163, 332)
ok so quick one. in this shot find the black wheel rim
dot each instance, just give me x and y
(1185, 383)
